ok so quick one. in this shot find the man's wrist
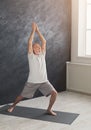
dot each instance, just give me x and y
(33, 31)
(38, 31)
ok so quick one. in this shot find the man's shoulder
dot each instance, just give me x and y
(30, 54)
(43, 52)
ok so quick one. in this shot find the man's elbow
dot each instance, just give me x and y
(44, 41)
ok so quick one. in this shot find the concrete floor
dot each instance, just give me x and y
(66, 101)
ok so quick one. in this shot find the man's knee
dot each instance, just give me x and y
(54, 93)
(20, 97)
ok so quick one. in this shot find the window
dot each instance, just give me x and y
(81, 31)
(88, 28)
(84, 28)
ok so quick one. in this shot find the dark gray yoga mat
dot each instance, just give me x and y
(40, 114)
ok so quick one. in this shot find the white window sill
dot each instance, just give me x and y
(85, 57)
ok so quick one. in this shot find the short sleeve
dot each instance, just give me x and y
(44, 53)
(30, 54)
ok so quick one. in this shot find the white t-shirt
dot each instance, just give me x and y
(37, 68)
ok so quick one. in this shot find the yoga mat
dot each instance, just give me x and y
(40, 114)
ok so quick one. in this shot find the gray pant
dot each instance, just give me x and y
(30, 88)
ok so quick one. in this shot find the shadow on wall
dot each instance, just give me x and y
(53, 19)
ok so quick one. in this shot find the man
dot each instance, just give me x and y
(37, 78)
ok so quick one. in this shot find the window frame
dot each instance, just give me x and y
(87, 29)
(75, 34)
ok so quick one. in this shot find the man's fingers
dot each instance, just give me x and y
(34, 25)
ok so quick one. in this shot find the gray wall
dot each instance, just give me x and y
(16, 16)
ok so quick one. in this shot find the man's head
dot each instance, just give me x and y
(36, 48)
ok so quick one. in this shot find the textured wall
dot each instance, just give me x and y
(16, 16)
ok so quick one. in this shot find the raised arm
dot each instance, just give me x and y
(30, 40)
(43, 41)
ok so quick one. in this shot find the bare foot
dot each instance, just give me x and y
(50, 112)
(10, 109)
